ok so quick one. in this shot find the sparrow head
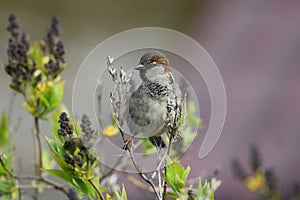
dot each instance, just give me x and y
(152, 65)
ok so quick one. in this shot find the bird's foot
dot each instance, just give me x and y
(178, 137)
(127, 143)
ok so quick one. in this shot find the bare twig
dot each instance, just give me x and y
(99, 99)
(36, 178)
(47, 181)
(139, 184)
(165, 184)
(142, 174)
(164, 156)
(112, 170)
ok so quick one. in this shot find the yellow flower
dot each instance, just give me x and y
(45, 59)
(49, 84)
(110, 131)
(108, 197)
(41, 87)
(255, 182)
(30, 109)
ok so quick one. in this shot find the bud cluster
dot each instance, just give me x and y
(77, 152)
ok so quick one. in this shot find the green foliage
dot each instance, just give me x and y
(176, 175)
(7, 183)
(207, 190)
(44, 98)
(118, 195)
(4, 133)
(81, 176)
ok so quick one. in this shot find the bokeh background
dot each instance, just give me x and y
(255, 44)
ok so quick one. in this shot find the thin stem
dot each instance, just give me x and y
(164, 157)
(42, 179)
(101, 197)
(141, 173)
(165, 168)
(139, 184)
(99, 99)
(39, 146)
(165, 185)
(112, 170)
(5, 168)
(38, 154)
(48, 181)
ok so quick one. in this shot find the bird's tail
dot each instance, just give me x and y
(157, 141)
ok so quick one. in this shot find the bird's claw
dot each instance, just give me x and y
(127, 143)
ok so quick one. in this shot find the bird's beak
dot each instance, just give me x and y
(139, 67)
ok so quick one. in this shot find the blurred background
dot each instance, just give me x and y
(255, 44)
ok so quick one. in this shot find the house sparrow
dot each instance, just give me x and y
(148, 104)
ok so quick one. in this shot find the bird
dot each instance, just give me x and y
(148, 103)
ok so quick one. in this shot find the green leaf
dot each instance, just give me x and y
(147, 147)
(178, 183)
(201, 189)
(185, 173)
(57, 93)
(77, 129)
(176, 175)
(5, 149)
(83, 187)
(36, 54)
(57, 153)
(4, 132)
(46, 158)
(123, 194)
(50, 97)
(60, 174)
(172, 195)
(96, 182)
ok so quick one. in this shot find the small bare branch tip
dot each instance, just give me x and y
(123, 75)
(110, 60)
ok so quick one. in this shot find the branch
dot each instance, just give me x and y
(111, 171)
(101, 197)
(39, 146)
(38, 152)
(139, 184)
(164, 157)
(5, 168)
(42, 179)
(141, 173)
(165, 185)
